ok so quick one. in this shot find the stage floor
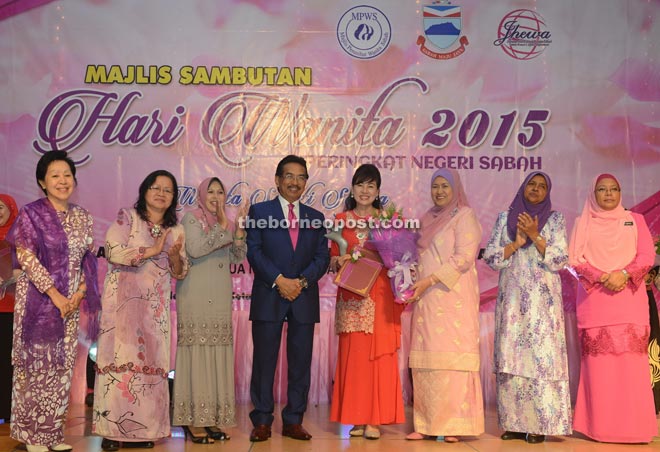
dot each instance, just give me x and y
(329, 437)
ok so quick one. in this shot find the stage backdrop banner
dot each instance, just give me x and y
(227, 88)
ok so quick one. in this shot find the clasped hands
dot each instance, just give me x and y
(527, 226)
(615, 281)
(173, 253)
(67, 306)
(289, 288)
(239, 222)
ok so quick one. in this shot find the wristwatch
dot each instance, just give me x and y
(303, 282)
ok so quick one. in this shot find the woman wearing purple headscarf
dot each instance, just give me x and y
(528, 246)
(444, 343)
(53, 242)
(204, 401)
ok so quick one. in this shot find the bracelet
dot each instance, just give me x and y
(239, 238)
(539, 238)
(625, 273)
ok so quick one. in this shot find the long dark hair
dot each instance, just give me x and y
(365, 173)
(169, 219)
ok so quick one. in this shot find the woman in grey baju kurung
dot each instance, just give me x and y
(204, 378)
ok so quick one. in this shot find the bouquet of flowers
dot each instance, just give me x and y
(397, 247)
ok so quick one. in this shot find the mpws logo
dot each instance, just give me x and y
(364, 32)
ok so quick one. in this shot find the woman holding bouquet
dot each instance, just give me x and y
(444, 349)
(528, 247)
(367, 390)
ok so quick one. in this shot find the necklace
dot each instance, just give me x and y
(155, 230)
(361, 232)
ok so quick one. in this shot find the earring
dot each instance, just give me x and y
(351, 194)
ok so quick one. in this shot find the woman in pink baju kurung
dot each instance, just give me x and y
(611, 250)
(131, 397)
(444, 343)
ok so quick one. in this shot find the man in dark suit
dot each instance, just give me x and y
(288, 252)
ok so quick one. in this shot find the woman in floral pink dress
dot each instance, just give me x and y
(145, 249)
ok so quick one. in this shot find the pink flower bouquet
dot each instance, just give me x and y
(397, 247)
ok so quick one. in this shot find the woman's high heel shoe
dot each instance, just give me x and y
(216, 433)
(196, 439)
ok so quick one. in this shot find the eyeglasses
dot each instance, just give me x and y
(166, 190)
(603, 190)
(291, 177)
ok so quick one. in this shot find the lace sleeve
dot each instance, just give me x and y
(588, 275)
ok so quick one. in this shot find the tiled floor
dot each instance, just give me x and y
(330, 437)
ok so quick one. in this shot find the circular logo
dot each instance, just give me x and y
(523, 34)
(364, 32)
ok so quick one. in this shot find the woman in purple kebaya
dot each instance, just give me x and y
(53, 242)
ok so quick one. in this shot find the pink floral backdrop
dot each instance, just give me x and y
(227, 88)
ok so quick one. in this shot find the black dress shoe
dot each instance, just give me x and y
(513, 435)
(137, 445)
(296, 431)
(110, 445)
(259, 433)
(534, 439)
